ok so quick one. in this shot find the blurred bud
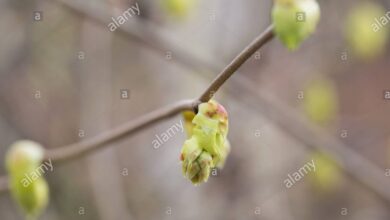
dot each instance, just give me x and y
(365, 32)
(30, 191)
(321, 101)
(295, 20)
(178, 8)
(32, 198)
(24, 156)
(327, 175)
(208, 146)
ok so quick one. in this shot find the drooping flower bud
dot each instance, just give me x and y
(295, 20)
(208, 147)
(28, 188)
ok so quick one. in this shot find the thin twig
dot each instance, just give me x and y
(370, 176)
(80, 149)
(237, 62)
(365, 172)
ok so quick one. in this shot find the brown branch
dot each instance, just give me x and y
(79, 149)
(82, 148)
(357, 167)
(240, 59)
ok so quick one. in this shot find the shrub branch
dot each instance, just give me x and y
(102, 140)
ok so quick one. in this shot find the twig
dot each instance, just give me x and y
(370, 176)
(236, 63)
(82, 148)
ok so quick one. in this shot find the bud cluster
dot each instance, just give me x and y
(208, 146)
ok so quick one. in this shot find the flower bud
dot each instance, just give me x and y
(208, 146)
(31, 193)
(32, 198)
(24, 156)
(295, 20)
(327, 176)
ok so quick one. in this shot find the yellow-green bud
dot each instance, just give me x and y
(365, 37)
(327, 177)
(32, 198)
(208, 147)
(295, 20)
(321, 101)
(23, 158)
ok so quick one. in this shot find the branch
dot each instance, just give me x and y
(80, 149)
(77, 150)
(369, 176)
(236, 63)
(365, 172)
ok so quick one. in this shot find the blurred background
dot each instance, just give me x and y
(65, 77)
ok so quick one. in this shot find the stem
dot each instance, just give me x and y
(80, 149)
(236, 63)
(77, 150)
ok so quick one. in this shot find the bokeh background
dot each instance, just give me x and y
(61, 80)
